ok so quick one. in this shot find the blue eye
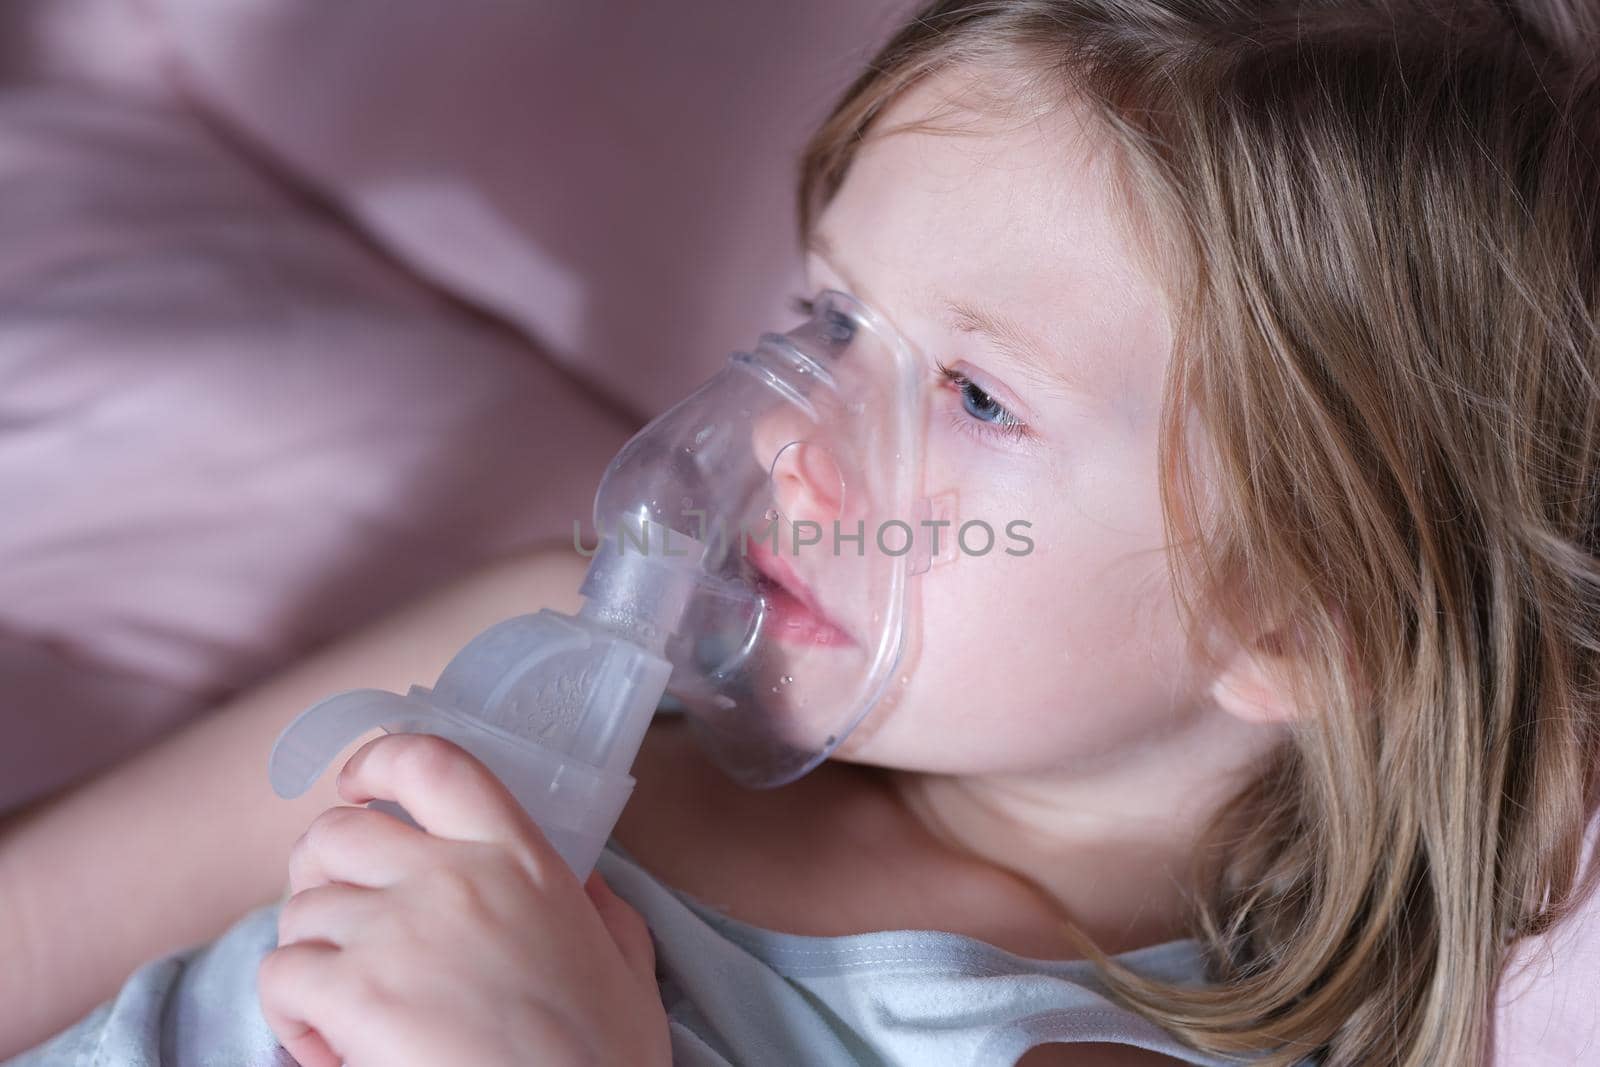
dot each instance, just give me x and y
(980, 405)
(990, 415)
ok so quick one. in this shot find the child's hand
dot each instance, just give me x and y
(469, 943)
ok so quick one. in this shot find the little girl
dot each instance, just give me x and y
(1278, 324)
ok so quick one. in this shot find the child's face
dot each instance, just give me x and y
(1072, 654)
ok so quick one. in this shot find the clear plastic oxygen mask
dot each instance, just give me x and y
(754, 560)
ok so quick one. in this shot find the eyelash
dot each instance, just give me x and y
(1007, 425)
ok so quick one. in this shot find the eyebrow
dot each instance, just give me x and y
(1029, 355)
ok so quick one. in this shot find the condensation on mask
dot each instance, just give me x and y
(755, 549)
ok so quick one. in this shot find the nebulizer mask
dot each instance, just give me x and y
(754, 560)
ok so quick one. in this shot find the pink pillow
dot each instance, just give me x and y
(615, 178)
(1549, 1007)
(230, 430)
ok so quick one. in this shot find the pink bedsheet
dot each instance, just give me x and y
(229, 431)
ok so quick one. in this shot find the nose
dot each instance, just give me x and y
(806, 479)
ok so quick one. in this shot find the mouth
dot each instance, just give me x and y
(796, 617)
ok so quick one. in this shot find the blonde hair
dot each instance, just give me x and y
(1378, 226)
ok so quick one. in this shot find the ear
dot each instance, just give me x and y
(1253, 682)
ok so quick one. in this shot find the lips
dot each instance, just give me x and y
(796, 617)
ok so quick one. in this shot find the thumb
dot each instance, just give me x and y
(627, 927)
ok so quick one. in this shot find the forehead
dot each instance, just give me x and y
(1002, 208)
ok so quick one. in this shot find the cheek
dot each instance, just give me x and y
(1065, 654)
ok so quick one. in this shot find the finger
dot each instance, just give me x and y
(627, 927)
(330, 914)
(445, 790)
(357, 846)
(285, 976)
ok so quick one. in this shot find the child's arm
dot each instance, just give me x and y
(167, 849)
